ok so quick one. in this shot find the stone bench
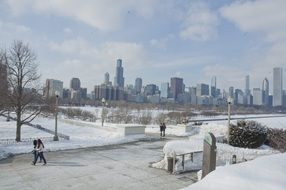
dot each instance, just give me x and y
(185, 127)
(131, 129)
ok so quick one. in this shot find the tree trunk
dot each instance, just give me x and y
(18, 130)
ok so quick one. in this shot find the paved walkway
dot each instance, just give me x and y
(110, 167)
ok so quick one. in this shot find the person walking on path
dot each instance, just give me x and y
(40, 149)
(161, 129)
(164, 129)
(35, 151)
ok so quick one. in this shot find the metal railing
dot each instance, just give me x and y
(183, 159)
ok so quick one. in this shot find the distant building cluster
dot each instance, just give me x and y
(174, 91)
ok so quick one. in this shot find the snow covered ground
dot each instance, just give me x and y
(87, 134)
(80, 136)
(263, 173)
(195, 143)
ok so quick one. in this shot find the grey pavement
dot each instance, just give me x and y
(123, 166)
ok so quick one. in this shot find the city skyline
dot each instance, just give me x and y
(194, 40)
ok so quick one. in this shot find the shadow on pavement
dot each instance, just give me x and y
(69, 164)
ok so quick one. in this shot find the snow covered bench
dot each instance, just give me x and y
(131, 129)
(185, 128)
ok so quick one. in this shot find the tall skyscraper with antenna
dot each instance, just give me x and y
(119, 79)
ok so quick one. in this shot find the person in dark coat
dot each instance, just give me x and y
(164, 129)
(35, 150)
(161, 129)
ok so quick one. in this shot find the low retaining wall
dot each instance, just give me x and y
(185, 127)
(131, 129)
(87, 124)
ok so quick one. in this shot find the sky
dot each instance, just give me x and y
(156, 39)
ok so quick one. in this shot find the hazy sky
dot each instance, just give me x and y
(157, 39)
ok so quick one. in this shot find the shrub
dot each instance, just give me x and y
(276, 138)
(247, 134)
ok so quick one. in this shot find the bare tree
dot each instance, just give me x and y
(23, 81)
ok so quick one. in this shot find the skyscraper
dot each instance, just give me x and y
(165, 90)
(138, 85)
(247, 89)
(176, 87)
(213, 87)
(231, 92)
(75, 84)
(150, 89)
(119, 79)
(277, 86)
(202, 90)
(265, 92)
(257, 96)
(53, 88)
(106, 78)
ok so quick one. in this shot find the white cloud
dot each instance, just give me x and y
(73, 46)
(161, 43)
(265, 17)
(9, 27)
(67, 30)
(11, 31)
(226, 75)
(200, 23)
(133, 54)
(93, 61)
(100, 14)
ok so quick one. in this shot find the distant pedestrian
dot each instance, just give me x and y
(161, 129)
(164, 129)
(40, 149)
(35, 150)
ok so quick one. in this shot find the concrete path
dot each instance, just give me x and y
(110, 167)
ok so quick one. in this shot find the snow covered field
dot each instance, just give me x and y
(263, 173)
(87, 134)
(195, 143)
(80, 136)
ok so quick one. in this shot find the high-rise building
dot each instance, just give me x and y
(247, 87)
(165, 90)
(284, 98)
(247, 84)
(202, 90)
(231, 92)
(108, 92)
(138, 85)
(83, 93)
(177, 87)
(75, 84)
(257, 96)
(193, 92)
(106, 78)
(213, 87)
(150, 89)
(265, 92)
(277, 86)
(53, 88)
(119, 79)
(238, 97)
